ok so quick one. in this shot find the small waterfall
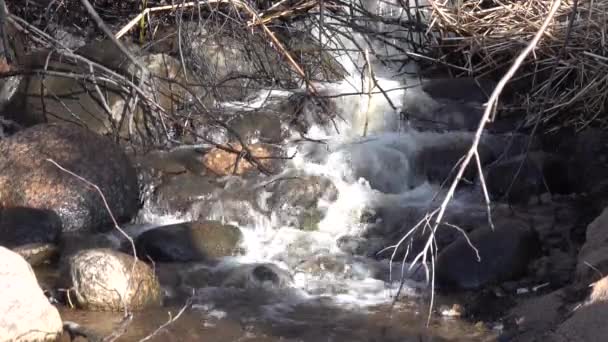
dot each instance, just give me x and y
(369, 156)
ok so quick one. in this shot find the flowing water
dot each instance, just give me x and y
(368, 153)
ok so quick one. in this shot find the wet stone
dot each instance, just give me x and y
(177, 193)
(190, 241)
(258, 276)
(295, 200)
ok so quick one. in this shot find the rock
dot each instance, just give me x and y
(459, 89)
(176, 161)
(504, 252)
(30, 180)
(49, 98)
(295, 200)
(72, 243)
(200, 277)
(431, 107)
(259, 126)
(539, 174)
(438, 161)
(37, 254)
(357, 245)
(538, 315)
(452, 104)
(17, 40)
(20, 226)
(587, 324)
(189, 241)
(107, 280)
(593, 255)
(586, 153)
(177, 193)
(258, 276)
(388, 224)
(238, 64)
(222, 162)
(27, 314)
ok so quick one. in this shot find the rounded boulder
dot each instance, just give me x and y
(107, 280)
(27, 314)
(30, 179)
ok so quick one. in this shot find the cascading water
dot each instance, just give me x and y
(369, 154)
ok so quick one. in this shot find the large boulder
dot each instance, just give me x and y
(27, 314)
(21, 226)
(107, 280)
(30, 180)
(235, 62)
(190, 241)
(55, 98)
(504, 254)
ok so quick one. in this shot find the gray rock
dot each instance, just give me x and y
(504, 255)
(190, 241)
(27, 314)
(20, 226)
(107, 280)
(29, 180)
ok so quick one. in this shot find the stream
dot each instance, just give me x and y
(328, 283)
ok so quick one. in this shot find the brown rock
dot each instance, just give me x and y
(222, 162)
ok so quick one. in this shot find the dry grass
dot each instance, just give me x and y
(566, 76)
